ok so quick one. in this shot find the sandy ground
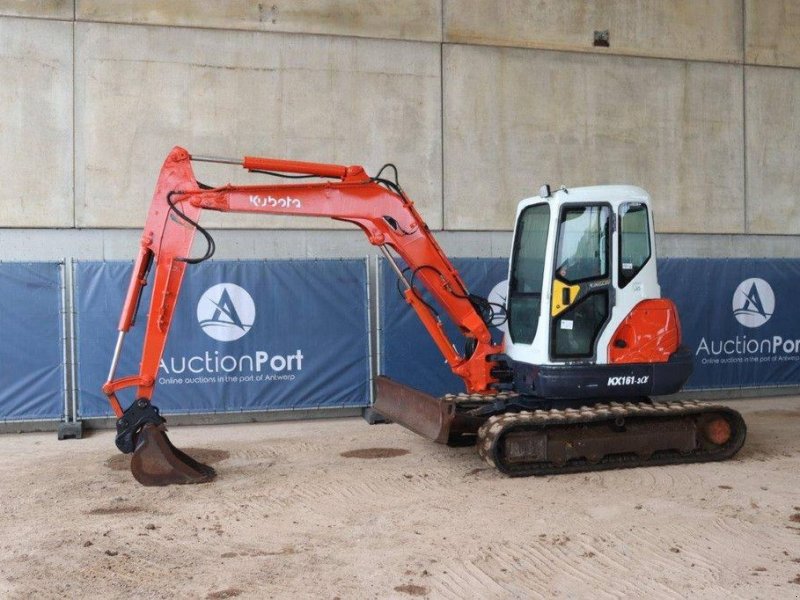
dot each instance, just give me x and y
(291, 517)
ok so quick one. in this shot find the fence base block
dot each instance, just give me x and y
(373, 417)
(73, 430)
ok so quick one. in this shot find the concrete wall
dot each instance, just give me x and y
(141, 90)
(688, 29)
(36, 127)
(672, 127)
(477, 102)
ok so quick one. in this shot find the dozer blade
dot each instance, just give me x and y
(413, 409)
(156, 461)
(438, 419)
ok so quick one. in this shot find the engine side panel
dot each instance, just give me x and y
(650, 333)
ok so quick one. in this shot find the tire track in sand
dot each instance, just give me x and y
(339, 491)
(560, 565)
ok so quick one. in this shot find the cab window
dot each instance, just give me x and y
(582, 259)
(583, 243)
(527, 273)
(634, 241)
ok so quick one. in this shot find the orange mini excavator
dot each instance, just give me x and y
(589, 339)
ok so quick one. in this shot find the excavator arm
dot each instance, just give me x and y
(377, 206)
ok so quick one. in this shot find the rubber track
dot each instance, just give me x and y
(491, 434)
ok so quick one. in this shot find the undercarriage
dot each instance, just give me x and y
(525, 435)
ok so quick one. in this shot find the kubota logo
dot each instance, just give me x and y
(226, 312)
(287, 202)
(753, 302)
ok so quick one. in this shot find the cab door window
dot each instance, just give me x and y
(582, 279)
(634, 241)
(583, 243)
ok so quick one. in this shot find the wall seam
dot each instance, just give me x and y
(745, 226)
(74, 121)
(74, 19)
(412, 40)
(590, 52)
(416, 40)
(441, 109)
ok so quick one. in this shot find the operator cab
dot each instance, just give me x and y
(582, 264)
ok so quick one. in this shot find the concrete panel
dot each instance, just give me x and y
(36, 123)
(773, 149)
(141, 90)
(691, 29)
(400, 19)
(773, 32)
(515, 119)
(44, 9)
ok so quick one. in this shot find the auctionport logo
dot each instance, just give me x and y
(499, 296)
(753, 305)
(753, 302)
(226, 312)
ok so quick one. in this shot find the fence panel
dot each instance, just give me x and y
(247, 335)
(32, 352)
(739, 316)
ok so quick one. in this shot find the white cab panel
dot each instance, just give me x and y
(614, 278)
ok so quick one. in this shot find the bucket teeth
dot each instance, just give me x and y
(156, 461)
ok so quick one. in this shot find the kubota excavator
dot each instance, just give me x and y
(589, 339)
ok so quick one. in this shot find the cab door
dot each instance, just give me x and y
(582, 291)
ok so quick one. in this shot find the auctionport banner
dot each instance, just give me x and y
(408, 353)
(739, 317)
(32, 352)
(247, 335)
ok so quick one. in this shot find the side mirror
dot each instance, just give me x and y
(544, 191)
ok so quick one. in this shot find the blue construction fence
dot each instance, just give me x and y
(246, 336)
(739, 316)
(296, 334)
(32, 352)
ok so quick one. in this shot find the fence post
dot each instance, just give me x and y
(71, 427)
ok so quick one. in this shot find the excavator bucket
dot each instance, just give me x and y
(156, 461)
(442, 420)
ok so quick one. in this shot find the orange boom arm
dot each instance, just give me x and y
(386, 216)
